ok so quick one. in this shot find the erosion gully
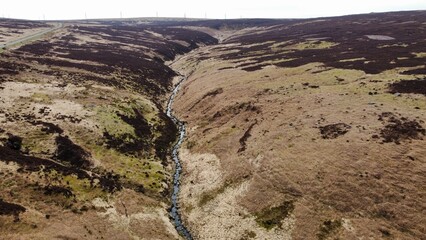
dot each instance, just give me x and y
(174, 211)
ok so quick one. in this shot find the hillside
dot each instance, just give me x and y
(295, 128)
(84, 139)
(307, 129)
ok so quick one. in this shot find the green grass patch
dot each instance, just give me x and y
(393, 45)
(41, 98)
(310, 45)
(82, 189)
(405, 101)
(272, 217)
(210, 195)
(143, 168)
(108, 118)
(37, 142)
(149, 172)
(323, 76)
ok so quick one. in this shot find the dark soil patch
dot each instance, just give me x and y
(128, 143)
(11, 67)
(35, 164)
(420, 71)
(400, 129)
(11, 209)
(328, 228)
(48, 128)
(212, 93)
(110, 182)
(386, 214)
(245, 137)
(102, 69)
(14, 142)
(21, 24)
(142, 130)
(71, 153)
(58, 190)
(40, 48)
(168, 136)
(143, 140)
(334, 130)
(409, 86)
(238, 108)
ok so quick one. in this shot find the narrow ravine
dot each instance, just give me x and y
(174, 212)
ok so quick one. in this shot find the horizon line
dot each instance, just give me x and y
(198, 18)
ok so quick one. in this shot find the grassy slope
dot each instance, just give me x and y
(83, 137)
(294, 130)
(297, 129)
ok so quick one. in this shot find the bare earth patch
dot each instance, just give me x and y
(334, 130)
(400, 129)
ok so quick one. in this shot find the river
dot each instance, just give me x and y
(174, 211)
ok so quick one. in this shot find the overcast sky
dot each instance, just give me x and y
(79, 9)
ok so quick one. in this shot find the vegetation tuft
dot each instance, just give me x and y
(272, 217)
(327, 228)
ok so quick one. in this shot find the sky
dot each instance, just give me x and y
(81, 9)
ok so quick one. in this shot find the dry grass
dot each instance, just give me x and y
(288, 160)
(82, 109)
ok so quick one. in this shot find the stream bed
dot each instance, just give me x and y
(174, 211)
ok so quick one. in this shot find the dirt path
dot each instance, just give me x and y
(30, 37)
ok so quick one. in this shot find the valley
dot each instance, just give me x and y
(294, 129)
